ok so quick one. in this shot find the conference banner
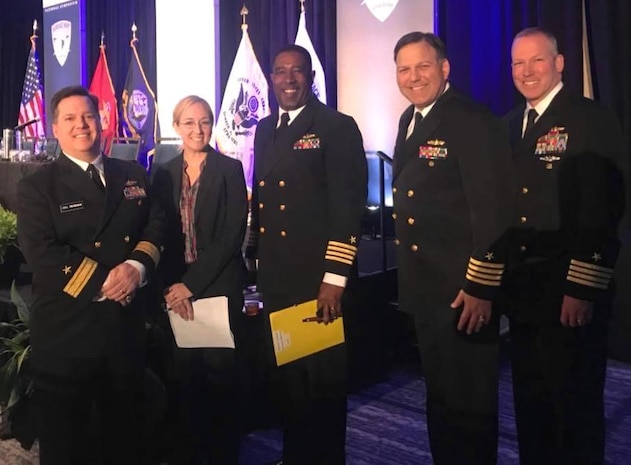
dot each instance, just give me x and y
(63, 40)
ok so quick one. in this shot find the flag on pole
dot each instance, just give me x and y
(32, 102)
(244, 104)
(139, 108)
(102, 87)
(303, 39)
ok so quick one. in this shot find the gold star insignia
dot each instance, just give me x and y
(67, 270)
(597, 257)
(489, 256)
(353, 240)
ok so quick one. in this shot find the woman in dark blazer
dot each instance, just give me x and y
(204, 196)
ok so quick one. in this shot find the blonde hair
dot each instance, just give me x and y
(187, 102)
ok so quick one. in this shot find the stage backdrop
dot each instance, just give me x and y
(185, 55)
(367, 90)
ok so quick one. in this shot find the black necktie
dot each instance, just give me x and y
(530, 121)
(284, 123)
(95, 176)
(418, 117)
(282, 127)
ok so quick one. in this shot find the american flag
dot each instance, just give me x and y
(32, 104)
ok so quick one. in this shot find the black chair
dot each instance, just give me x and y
(124, 148)
(28, 144)
(165, 153)
(52, 148)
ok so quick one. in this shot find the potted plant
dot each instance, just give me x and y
(10, 256)
(16, 384)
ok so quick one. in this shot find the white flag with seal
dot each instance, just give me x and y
(244, 104)
(303, 39)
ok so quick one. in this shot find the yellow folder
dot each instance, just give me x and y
(295, 338)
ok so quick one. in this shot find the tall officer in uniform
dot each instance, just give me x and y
(309, 197)
(89, 230)
(558, 293)
(452, 194)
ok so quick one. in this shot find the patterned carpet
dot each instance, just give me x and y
(386, 425)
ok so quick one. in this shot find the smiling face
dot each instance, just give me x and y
(194, 126)
(77, 127)
(536, 65)
(291, 79)
(421, 75)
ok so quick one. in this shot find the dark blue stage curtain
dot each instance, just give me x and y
(610, 55)
(114, 18)
(16, 26)
(479, 34)
(272, 24)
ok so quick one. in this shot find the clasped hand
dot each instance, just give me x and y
(121, 284)
(177, 298)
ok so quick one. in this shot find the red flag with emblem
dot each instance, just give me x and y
(102, 87)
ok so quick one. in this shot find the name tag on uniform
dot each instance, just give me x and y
(71, 206)
(134, 192)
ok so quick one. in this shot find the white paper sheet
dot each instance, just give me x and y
(209, 328)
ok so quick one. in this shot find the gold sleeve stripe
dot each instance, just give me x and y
(591, 271)
(594, 274)
(499, 266)
(343, 245)
(485, 276)
(338, 259)
(482, 281)
(80, 277)
(150, 249)
(341, 249)
(586, 283)
(485, 269)
(587, 277)
(348, 256)
(591, 266)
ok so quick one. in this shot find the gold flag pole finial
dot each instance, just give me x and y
(34, 35)
(244, 12)
(134, 39)
(302, 6)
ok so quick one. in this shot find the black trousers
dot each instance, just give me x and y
(558, 383)
(204, 417)
(461, 375)
(204, 401)
(93, 418)
(310, 395)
